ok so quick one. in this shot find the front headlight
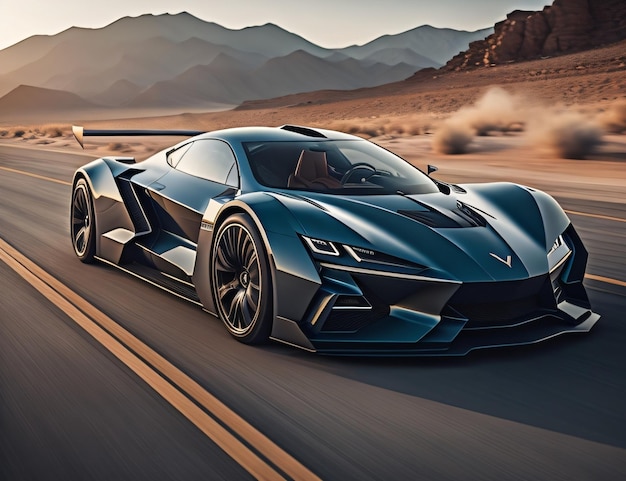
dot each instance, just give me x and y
(359, 254)
(319, 246)
(557, 243)
(558, 254)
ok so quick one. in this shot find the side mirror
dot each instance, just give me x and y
(442, 186)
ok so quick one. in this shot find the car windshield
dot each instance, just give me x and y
(352, 167)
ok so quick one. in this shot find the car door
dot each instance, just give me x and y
(199, 171)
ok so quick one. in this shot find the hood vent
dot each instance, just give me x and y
(470, 215)
(431, 218)
(462, 216)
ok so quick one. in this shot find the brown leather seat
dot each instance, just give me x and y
(312, 173)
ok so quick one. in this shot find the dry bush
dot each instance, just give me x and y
(569, 135)
(347, 126)
(32, 132)
(407, 127)
(614, 119)
(119, 147)
(377, 126)
(53, 131)
(452, 137)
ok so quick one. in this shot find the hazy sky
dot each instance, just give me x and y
(329, 23)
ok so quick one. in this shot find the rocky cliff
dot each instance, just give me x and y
(566, 26)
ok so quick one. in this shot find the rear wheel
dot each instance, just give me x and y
(82, 220)
(241, 280)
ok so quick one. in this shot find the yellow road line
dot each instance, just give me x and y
(596, 216)
(36, 176)
(104, 329)
(608, 280)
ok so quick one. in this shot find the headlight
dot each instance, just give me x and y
(359, 254)
(558, 253)
(557, 243)
(319, 246)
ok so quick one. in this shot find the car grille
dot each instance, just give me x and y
(494, 304)
(348, 320)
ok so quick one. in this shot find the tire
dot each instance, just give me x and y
(83, 222)
(241, 280)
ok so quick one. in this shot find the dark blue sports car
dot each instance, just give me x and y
(327, 242)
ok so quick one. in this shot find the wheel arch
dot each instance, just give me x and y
(295, 279)
(110, 211)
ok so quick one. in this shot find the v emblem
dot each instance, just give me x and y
(508, 262)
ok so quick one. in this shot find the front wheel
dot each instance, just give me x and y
(241, 280)
(83, 222)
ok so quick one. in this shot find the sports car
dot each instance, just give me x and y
(330, 243)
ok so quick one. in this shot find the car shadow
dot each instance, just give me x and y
(573, 384)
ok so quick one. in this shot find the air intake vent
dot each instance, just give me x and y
(129, 196)
(470, 215)
(304, 131)
(462, 216)
(431, 218)
(352, 320)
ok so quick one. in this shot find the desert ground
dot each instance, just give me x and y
(525, 122)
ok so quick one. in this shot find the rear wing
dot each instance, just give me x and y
(80, 132)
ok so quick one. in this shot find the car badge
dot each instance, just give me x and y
(508, 262)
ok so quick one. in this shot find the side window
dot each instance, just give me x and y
(174, 157)
(212, 160)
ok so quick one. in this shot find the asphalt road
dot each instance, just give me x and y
(69, 409)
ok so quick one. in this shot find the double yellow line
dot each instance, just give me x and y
(250, 448)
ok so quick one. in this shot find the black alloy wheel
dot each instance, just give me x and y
(83, 222)
(241, 280)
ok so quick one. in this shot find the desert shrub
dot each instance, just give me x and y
(18, 133)
(53, 131)
(116, 146)
(119, 147)
(452, 137)
(569, 135)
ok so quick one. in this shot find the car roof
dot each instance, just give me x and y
(273, 134)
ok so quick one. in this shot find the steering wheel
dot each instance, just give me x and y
(354, 168)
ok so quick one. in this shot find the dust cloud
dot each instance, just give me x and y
(556, 132)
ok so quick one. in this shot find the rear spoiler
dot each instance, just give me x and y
(80, 132)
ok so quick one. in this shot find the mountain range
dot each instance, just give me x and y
(182, 62)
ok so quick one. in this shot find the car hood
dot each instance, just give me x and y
(426, 229)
